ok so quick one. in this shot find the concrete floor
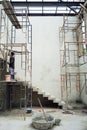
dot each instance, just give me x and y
(14, 120)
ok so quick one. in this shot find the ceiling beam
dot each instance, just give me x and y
(46, 14)
(44, 3)
(23, 4)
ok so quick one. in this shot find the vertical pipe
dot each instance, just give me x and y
(65, 65)
(85, 20)
(0, 24)
(31, 66)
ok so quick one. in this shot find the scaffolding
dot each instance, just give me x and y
(22, 49)
(72, 80)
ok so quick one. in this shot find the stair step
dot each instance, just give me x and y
(35, 89)
(46, 97)
(41, 92)
(56, 101)
(51, 97)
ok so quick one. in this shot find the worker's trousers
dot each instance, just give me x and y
(11, 71)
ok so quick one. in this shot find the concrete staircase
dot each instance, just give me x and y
(46, 99)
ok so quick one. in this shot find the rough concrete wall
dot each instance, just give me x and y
(45, 54)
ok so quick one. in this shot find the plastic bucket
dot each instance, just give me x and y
(7, 77)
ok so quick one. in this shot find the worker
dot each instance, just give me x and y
(11, 65)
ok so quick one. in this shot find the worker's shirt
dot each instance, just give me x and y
(12, 60)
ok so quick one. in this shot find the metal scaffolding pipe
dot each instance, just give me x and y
(10, 13)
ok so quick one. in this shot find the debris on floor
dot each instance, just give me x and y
(57, 121)
(84, 111)
(68, 112)
(51, 111)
